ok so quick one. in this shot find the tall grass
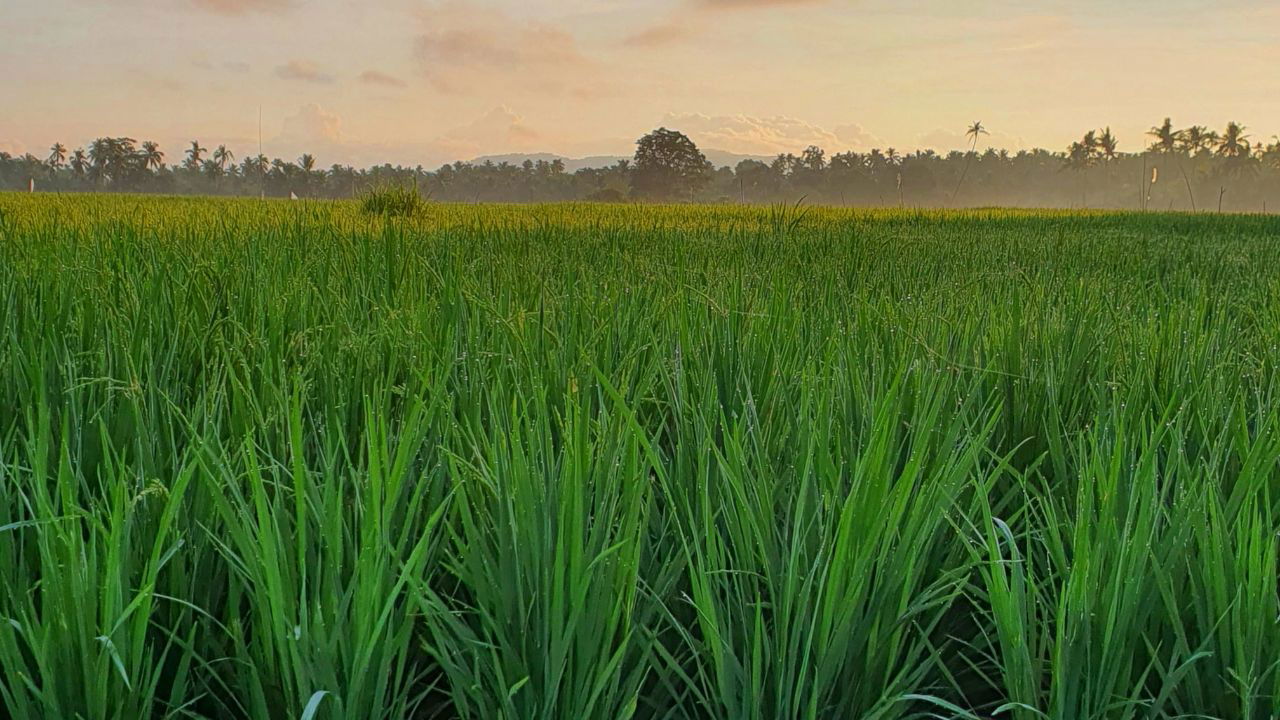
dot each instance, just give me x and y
(265, 460)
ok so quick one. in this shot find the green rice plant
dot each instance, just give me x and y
(548, 617)
(331, 618)
(86, 629)
(271, 459)
(817, 590)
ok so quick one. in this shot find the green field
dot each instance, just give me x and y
(288, 460)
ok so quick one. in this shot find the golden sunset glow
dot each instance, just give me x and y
(428, 82)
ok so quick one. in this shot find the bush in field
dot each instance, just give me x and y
(392, 201)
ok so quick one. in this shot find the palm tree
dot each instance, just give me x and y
(223, 157)
(1166, 138)
(1091, 145)
(194, 154)
(1195, 139)
(79, 162)
(307, 162)
(1081, 155)
(151, 156)
(1234, 143)
(1107, 145)
(100, 152)
(1234, 147)
(1167, 142)
(975, 130)
(57, 155)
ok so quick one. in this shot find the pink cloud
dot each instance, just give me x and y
(304, 71)
(469, 49)
(377, 77)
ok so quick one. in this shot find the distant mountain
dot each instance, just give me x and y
(719, 158)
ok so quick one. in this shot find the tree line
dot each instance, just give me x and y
(1192, 168)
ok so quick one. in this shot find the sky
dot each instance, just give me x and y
(431, 81)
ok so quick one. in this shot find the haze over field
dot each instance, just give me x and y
(416, 82)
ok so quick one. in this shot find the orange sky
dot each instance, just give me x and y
(415, 81)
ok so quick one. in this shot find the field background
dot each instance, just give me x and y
(270, 459)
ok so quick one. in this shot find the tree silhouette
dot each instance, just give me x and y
(668, 164)
(223, 157)
(57, 155)
(111, 158)
(1107, 145)
(79, 162)
(1081, 155)
(1234, 143)
(1196, 139)
(1166, 138)
(974, 132)
(1234, 148)
(195, 154)
(1219, 161)
(151, 155)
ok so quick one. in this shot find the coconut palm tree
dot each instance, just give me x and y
(1195, 139)
(151, 156)
(1234, 143)
(1166, 138)
(57, 155)
(975, 131)
(1107, 145)
(1082, 155)
(223, 157)
(1233, 146)
(100, 159)
(79, 162)
(195, 154)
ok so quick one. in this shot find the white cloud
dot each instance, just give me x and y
(855, 137)
(497, 131)
(312, 124)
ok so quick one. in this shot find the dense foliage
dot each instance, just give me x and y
(1183, 169)
(271, 460)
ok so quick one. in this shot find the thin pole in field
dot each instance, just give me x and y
(1142, 186)
(262, 171)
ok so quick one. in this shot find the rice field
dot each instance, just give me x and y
(292, 460)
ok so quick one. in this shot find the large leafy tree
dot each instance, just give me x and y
(668, 165)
